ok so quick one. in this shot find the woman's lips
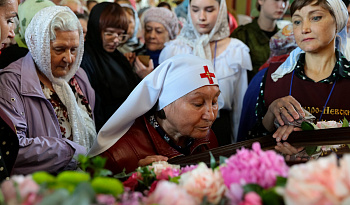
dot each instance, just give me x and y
(307, 39)
(202, 25)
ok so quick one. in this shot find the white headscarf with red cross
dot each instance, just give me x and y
(171, 80)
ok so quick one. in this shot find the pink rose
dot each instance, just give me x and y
(168, 172)
(26, 186)
(328, 124)
(171, 194)
(105, 199)
(251, 198)
(203, 182)
(316, 182)
(132, 181)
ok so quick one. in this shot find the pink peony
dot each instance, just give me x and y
(188, 168)
(168, 172)
(171, 194)
(254, 166)
(251, 198)
(26, 187)
(131, 198)
(203, 182)
(105, 199)
(234, 193)
(317, 182)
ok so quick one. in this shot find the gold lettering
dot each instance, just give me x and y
(336, 111)
(327, 110)
(317, 110)
(313, 110)
(332, 112)
(341, 112)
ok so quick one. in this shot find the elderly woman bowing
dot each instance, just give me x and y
(169, 114)
(47, 97)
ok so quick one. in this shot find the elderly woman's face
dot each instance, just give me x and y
(314, 28)
(63, 52)
(193, 114)
(7, 14)
(155, 36)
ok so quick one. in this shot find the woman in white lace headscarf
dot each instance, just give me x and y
(206, 35)
(313, 77)
(47, 97)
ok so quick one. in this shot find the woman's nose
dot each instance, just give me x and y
(11, 33)
(68, 58)
(210, 113)
(202, 16)
(306, 27)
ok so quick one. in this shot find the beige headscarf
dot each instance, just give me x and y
(200, 43)
(37, 37)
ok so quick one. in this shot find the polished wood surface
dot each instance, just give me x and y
(303, 138)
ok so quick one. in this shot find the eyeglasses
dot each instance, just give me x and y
(110, 36)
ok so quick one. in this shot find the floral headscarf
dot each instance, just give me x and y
(26, 12)
(37, 37)
(200, 43)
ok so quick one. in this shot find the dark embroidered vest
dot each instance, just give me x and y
(312, 96)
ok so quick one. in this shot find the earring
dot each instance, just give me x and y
(161, 114)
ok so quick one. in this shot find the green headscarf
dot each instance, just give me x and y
(26, 11)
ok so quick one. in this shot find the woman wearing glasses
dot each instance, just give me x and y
(109, 72)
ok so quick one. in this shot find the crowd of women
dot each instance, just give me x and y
(138, 90)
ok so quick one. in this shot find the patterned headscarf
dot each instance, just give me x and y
(172, 79)
(37, 37)
(163, 16)
(26, 12)
(133, 39)
(200, 43)
(341, 17)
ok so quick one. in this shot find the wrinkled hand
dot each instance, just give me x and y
(150, 159)
(141, 70)
(287, 106)
(131, 57)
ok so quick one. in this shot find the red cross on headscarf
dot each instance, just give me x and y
(208, 75)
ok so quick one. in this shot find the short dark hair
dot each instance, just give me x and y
(346, 2)
(113, 16)
(299, 4)
(164, 4)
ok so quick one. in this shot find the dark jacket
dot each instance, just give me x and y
(143, 140)
(258, 43)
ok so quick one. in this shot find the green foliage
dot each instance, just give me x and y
(107, 185)
(72, 177)
(213, 164)
(148, 176)
(281, 181)
(306, 126)
(96, 164)
(345, 123)
(310, 150)
(222, 159)
(43, 177)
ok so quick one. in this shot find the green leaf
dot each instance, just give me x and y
(174, 179)
(306, 126)
(222, 159)
(123, 174)
(310, 150)
(99, 162)
(56, 198)
(345, 123)
(271, 197)
(281, 181)
(252, 188)
(212, 161)
(83, 195)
